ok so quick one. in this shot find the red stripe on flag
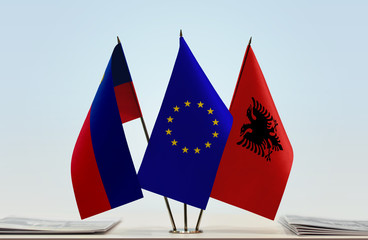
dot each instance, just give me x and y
(128, 105)
(88, 187)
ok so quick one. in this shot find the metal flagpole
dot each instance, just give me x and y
(185, 218)
(245, 58)
(199, 220)
(147, 137)
(185, 205)
(241, 70)
(166, 200)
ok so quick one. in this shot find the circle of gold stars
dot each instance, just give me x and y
(175, 142)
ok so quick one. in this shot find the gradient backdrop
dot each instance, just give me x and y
(313, 55)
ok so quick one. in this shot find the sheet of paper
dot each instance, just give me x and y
(35, 225)
(301, 225)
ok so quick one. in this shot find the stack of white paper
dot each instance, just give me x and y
(322, 226)
(43, 226)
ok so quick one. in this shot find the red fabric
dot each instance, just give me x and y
(128, 105)
(244, 178)
(88, 187)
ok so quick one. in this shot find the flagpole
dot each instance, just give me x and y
(147, 137)
(185, 205)
(245, 58)
(166, 200)
(241, 72)
(185, 218)
(199, 220)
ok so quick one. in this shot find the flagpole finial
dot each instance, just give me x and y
(181, 33)
(250, 41)
(118, 39)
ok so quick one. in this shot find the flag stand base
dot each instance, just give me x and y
(182, 231)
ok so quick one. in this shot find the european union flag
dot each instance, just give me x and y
(189, 136)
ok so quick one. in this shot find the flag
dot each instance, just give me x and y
(257, 159)
(102, 169)
(188, 137)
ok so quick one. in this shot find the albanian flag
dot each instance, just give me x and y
(257, 159)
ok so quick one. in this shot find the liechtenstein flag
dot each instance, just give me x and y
(102, 169)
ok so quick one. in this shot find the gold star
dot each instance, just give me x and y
(196, 150)
(187, 103)
(176, 109)
(169, 119)
(174, 142)
(168, 131)
(208, 144)
(200, 104)
(210, 111)
(185, 150)
(215, 134)
(215, 122)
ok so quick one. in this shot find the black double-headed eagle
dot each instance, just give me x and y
(260, 134)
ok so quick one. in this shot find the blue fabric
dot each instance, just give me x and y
(177, 162)
(119, 65)
(110, 146)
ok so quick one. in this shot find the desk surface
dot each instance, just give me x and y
(213, 226)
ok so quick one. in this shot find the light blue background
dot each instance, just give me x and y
(313, 55)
